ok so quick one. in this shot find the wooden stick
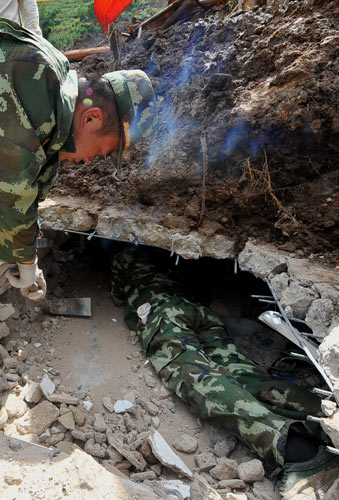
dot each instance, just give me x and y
(204, 175)
(79, 54)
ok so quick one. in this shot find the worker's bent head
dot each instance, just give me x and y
(135, 105)
(112, 112)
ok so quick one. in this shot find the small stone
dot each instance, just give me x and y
(149, 380)
(14, 405)
(3, 353)
(224, 447)
(155, 422)
(108, 404)
(47, 386)
(142, 476)
(79, 416)
(38, 419)
(31, 392)
(233, 484)
(150, 407)
(22, 354)
(67, 420)
(251, 471)
(10, 363)
(4, 330)
(94, 449)
(99, 437)
(164, 393)
(4, 385)
(205, 461)
(235, 496)
(44, 436)
(6, 310)
(121, 406)
(114, 455)
(63, 398)
(81, 436)
(13, 476)
(226, 469)
(185, 443)
(3, 417)
(12, 377)
(99, 423)
(55, 439)
(328, 407)
(265, 490)
(87, 405)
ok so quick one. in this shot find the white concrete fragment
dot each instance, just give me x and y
(87, 405)
(176, 485)
(329, 355)
(14, 405)
(164, 453)
(330, 425)
(328, 407)
(47, 386)
(121, 406)
(108, 404)
(31, 392)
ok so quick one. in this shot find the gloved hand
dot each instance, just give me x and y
(31, 280)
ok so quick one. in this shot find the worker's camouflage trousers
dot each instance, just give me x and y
(189, 348)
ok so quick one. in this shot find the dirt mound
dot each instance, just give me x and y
(261, 88)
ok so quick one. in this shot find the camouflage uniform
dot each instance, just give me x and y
(37, 100)
(189, 348)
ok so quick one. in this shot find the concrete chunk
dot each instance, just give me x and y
(47, 386)
(31, 392)
(134, 457)
(64, 398)
(164, 453)
(67, 420)
(251, 471)
(38, 419)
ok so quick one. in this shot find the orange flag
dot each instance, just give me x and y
(107, 11)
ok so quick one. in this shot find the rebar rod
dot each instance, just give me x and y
(299, 337)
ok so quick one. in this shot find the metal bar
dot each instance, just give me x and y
(235, 265)
(311, 335)
(321, 392)
(262, 296)
(299, 338)
(332, 450)
(300, 356)
(297, 320)
(313, 419)
(267, 301)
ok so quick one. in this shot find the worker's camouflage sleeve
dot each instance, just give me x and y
(37, 100)
(189, 348)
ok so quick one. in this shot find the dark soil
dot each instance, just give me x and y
(262, 88)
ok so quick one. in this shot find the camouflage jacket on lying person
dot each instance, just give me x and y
(38, 93)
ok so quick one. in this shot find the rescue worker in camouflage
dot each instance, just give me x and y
(48, 113)
(191, 352)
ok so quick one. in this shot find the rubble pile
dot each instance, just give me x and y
(260, 87)
(122, 435)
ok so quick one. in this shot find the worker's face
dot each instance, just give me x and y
(88, 146)
(88, 140)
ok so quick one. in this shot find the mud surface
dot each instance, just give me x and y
(261, 87)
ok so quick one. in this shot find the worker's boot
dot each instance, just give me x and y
(312, 479)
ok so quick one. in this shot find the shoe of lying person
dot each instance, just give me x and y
(311, 480)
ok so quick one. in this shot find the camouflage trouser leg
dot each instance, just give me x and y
(206, 370)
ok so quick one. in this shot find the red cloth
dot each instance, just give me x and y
(107, 11)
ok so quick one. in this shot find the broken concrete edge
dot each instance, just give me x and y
(306, 291)
(123, 225)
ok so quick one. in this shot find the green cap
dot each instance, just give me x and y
(136, 107)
